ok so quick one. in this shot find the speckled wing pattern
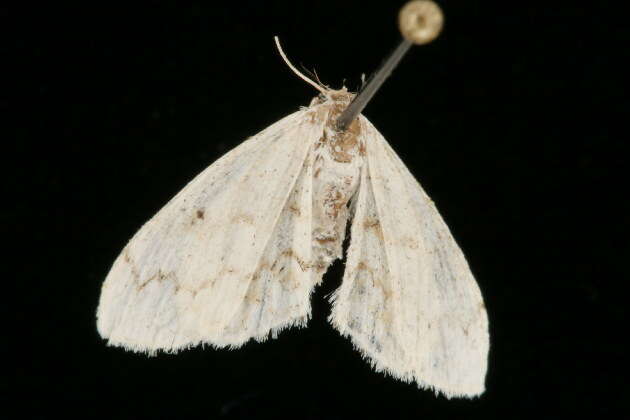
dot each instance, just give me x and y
(236, 254)
(222, 262)
(408, 300)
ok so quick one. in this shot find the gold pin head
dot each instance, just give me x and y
(420, 21)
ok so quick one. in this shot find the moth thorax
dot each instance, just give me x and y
(337, 170)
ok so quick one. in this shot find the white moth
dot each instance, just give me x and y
(237, 253)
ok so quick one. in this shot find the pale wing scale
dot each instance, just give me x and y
(363, 307)
(278, 295)
(183, 277)
(427, 321)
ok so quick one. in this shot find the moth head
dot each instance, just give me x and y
(338, 97)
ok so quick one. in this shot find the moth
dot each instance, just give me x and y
(237, 253)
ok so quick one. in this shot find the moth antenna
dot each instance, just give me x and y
(296, 71)
(307, 71)
(317, 78)
(419, 22)
(313, 74)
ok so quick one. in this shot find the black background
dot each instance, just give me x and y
(510, 120)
